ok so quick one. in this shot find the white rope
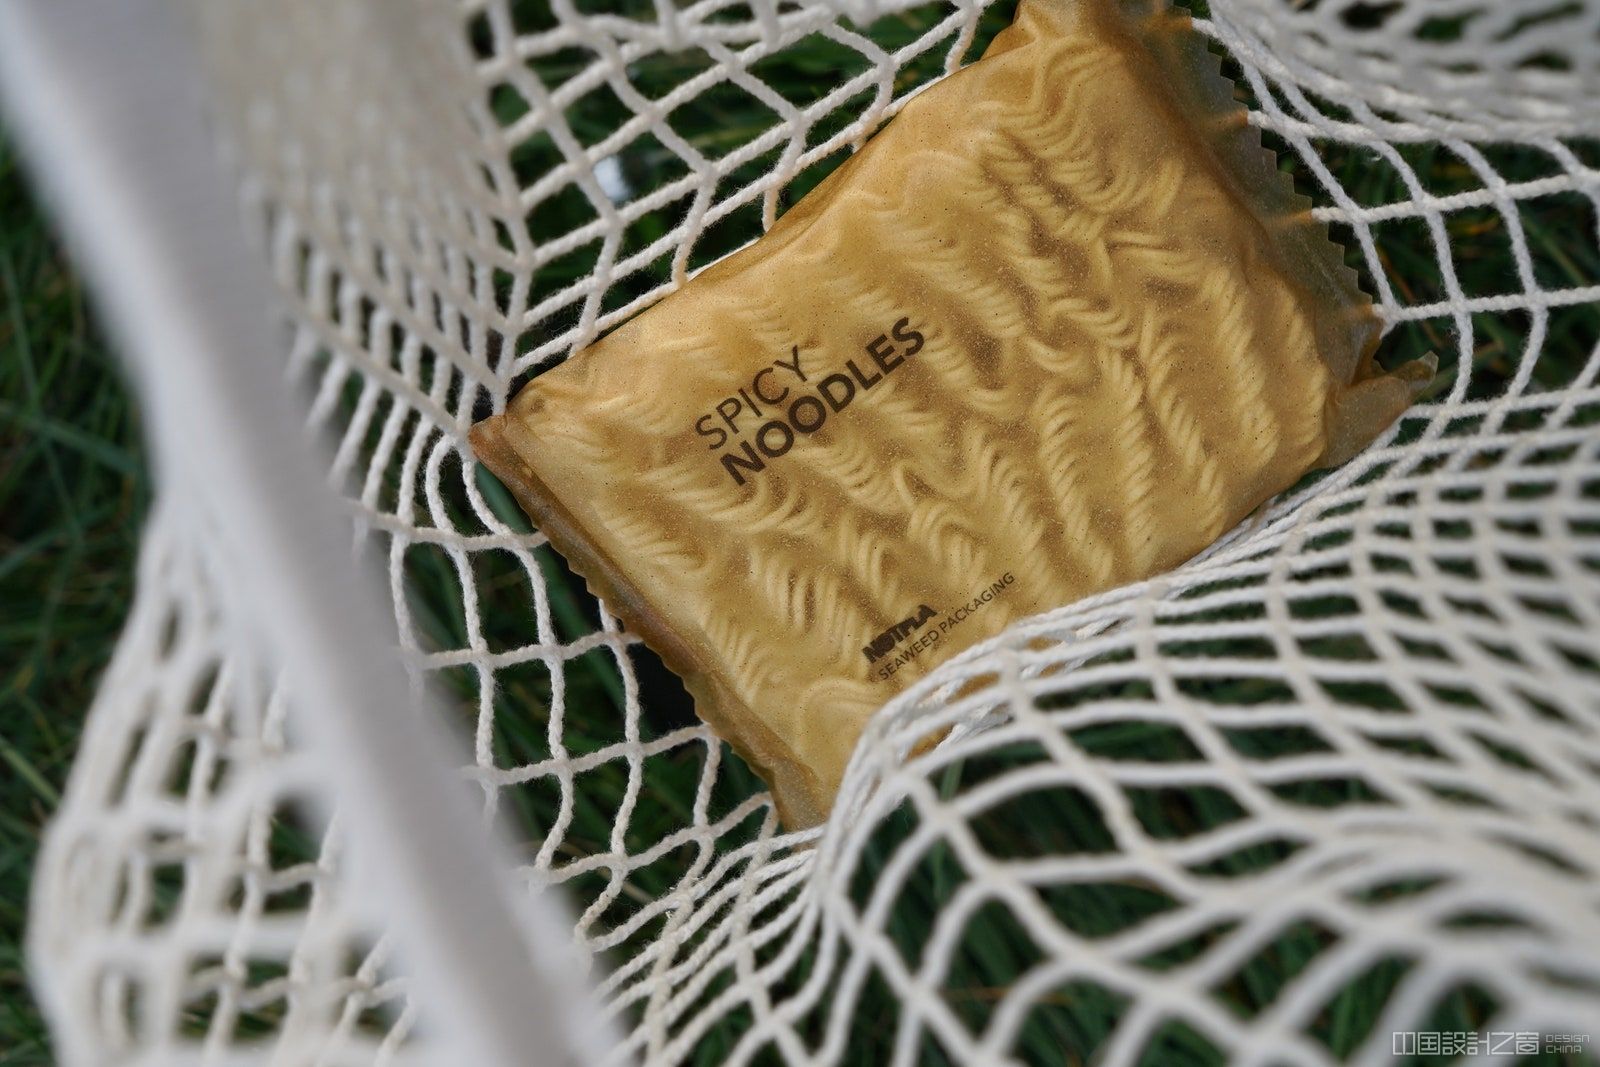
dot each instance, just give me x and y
(163, 246)
(1381, 692)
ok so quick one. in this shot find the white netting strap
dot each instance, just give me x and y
(1478, 71)
(1361, 727)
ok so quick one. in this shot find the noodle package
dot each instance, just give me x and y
(1055, 328)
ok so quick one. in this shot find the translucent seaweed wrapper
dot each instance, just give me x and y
(1055, 328)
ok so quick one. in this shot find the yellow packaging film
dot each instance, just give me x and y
(1055, 328)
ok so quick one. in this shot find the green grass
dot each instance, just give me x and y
(73, 493)
(74, 488)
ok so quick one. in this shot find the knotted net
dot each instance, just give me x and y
(1333, 782)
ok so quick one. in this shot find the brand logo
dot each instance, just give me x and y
(880, 645)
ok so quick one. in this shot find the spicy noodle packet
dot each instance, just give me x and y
(1055, 328)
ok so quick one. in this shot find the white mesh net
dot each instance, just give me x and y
(1337, 779)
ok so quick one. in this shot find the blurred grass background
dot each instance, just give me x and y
(74, 488)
